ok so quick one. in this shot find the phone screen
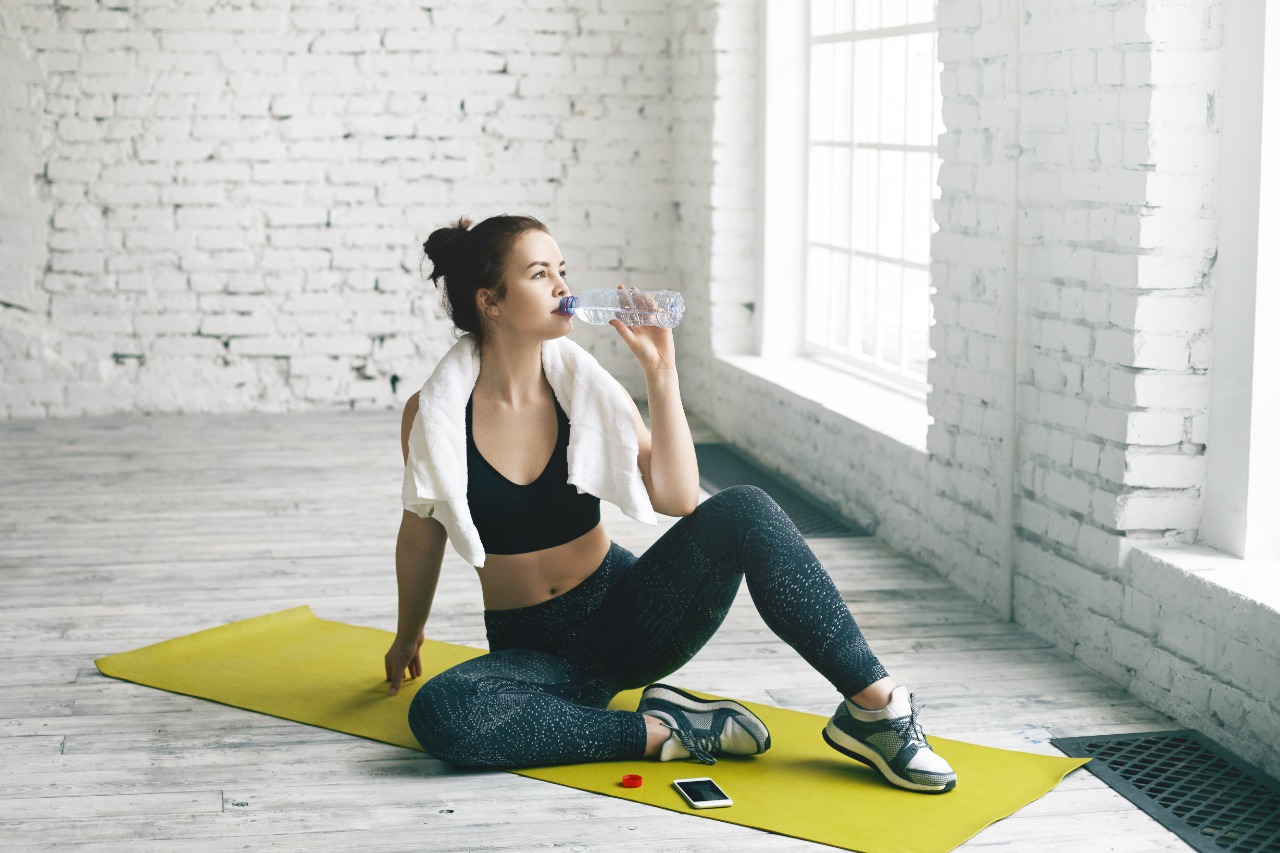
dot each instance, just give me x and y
(702, 790)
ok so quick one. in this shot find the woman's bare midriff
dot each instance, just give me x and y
(508, 581)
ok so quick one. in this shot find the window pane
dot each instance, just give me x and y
(821, 16)
(917, 199)
(844, 15)
(840, 181)
(892, 187)
(893, 13)
(839, 311)
(842, 91)
(922, 73)
(858, 284)
(889, 314)
(820, 94)
(915, 301)
(817, 296)
(919, 11)
(866, 91)
(893, 94)
(870, 300)
(866, 14)
(820, 194)
(866, 164)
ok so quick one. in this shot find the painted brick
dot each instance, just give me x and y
(1141, 612)
(235, 324)
(1085, 455)
(1067, 492)
(1104, 549)
(1163, 470)
(1248, 667)
(1090, 590)
(1139, 349)
(1187, 636)
(1157, 389)
(1111, 464)
(263, 346)
(1147, 510)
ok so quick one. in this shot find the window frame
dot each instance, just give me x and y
(874, 367)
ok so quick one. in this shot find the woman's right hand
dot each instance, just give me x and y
(401, 656)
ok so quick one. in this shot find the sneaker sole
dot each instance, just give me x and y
(689, 702)
(674, 695)
(868, 756)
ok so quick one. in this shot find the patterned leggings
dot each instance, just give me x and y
(539, 697)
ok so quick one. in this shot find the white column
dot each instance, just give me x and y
(785, 131)
(1241, 513)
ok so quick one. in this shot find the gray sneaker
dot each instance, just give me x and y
(702, 727)
(891, 741)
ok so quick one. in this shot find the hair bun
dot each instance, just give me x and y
(443, 245)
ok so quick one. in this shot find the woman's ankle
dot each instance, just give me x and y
(875, 696)
(656, 734)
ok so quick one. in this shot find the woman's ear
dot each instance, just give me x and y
(487, 303)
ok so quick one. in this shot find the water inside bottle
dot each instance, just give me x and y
(631, 317)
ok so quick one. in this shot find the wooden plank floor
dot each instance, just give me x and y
(122, 531)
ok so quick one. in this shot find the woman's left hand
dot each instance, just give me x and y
(653, 346)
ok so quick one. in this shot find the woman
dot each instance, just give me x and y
(573, 618)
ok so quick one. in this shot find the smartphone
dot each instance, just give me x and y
(702, 793)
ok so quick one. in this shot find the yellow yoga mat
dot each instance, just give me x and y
(293, 665)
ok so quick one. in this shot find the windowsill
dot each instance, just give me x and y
(1255, 580)
(897, 415)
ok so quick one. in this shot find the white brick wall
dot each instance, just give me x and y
(24, 231)
(715, 109)
(693, 86)
(1117, 231)
(229, 197)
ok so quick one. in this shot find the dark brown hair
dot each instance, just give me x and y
(469, 258)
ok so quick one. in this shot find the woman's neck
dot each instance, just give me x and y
(511, 372)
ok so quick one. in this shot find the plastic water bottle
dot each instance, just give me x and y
(632, 306)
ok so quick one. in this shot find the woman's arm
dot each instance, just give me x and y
(419, 553)
(667, 460)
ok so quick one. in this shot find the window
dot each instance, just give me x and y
(874, 116)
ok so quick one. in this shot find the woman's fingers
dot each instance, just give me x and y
(394, 673)
(638, 298)
(624, 330)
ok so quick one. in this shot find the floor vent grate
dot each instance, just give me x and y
(1209, 798)
(721, 466)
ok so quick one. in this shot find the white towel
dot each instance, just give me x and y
(603, 445)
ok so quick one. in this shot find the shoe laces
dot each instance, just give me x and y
(908, 728)
(700, 746)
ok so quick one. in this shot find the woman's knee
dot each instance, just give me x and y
(743, 503)
(729, 520)
(437, 718)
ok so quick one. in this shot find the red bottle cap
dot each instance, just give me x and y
(632, 780)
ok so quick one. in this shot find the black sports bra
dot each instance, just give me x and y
(514, 519)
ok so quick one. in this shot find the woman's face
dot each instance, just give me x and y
(535, 279)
